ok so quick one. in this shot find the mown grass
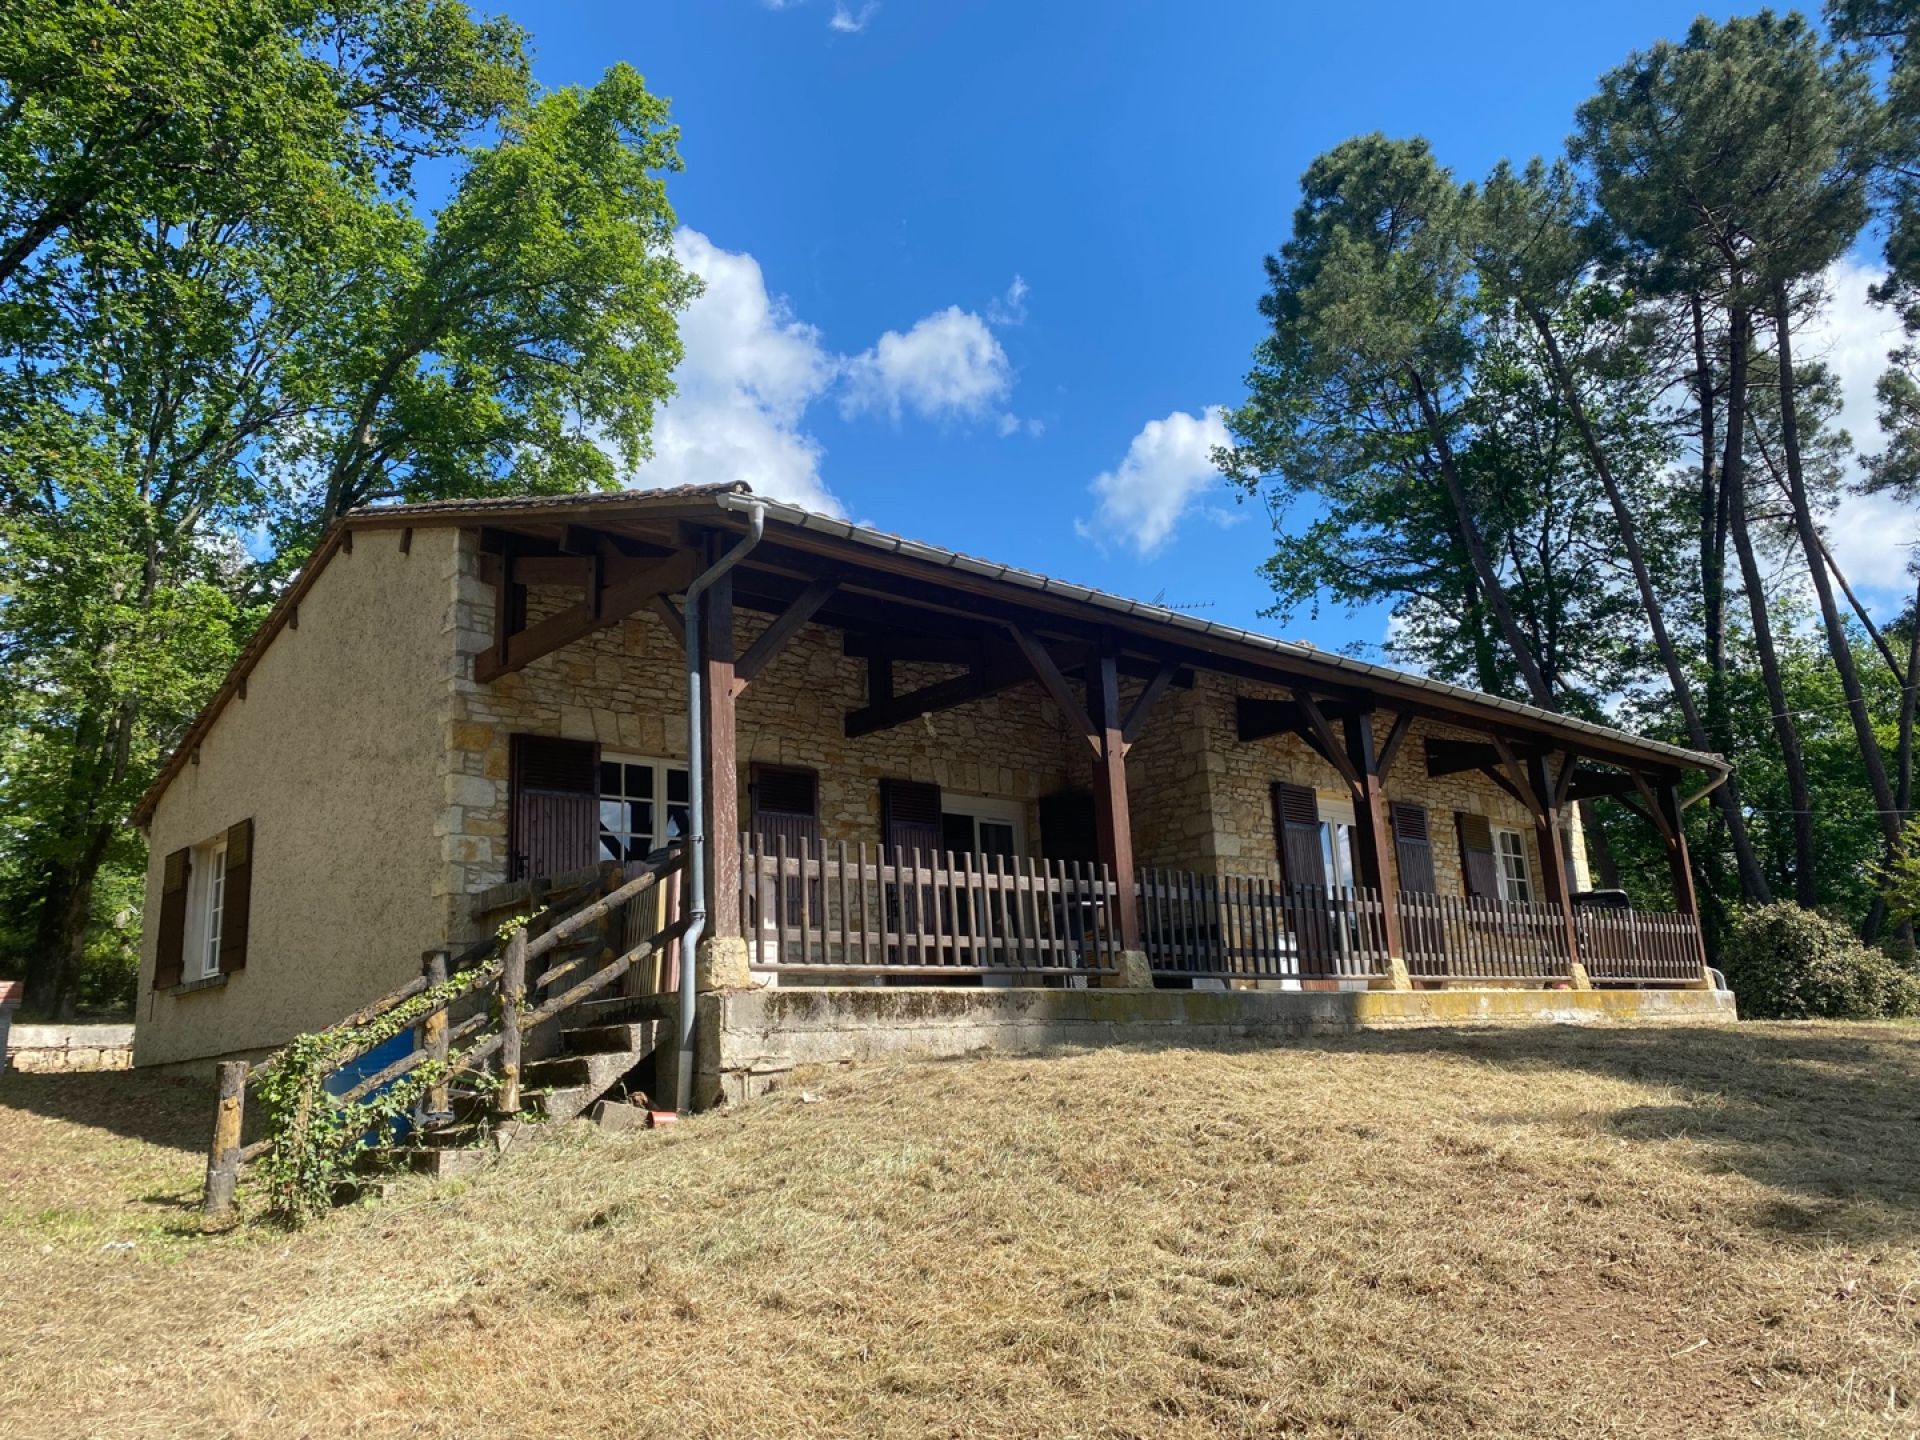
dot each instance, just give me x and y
(1598, 1233)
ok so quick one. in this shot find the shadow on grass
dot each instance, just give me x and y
(158, 1109)
(1826, 1117)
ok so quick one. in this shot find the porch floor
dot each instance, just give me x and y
(751, 1039)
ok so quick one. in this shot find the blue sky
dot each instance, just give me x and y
(978, 272)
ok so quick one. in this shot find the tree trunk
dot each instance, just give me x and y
(1476, 546)
(1714, 523)
(1734, 480)
(60, 936)
(1753, 882)
(1871, 758)
(1606, 869)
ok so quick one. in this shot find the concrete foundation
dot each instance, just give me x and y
(749, 1039)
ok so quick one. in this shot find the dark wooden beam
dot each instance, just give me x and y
(1143, 704)
(723, 769)
(1112, 820)
(1002, 672)
(1396, 737)
(1654, 811)
(670, 616)
(784, 627)
(1328, 744)
(1492, 772)
(1591, 784)
(912, 646)
(1055, 684)
(516, 647)
(1553, 858)
(1373, 825)
(1453, 757)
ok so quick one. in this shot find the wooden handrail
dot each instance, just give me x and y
(435, 1039)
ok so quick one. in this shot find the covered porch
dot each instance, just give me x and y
(1096, 792)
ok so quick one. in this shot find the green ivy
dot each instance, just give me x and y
(316, 1137)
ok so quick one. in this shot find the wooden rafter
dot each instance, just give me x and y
(1143, 704)
(517, 646)
(784, 627)
(999, 673)
(1055, 684)
(1326, 742)
(1396, 737)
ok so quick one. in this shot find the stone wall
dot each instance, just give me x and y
(1200, 799)
(625, 688)
(61, 1049)
(1237, 837)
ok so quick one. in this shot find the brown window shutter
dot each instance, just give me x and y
(1067, 827)
(1477, 869)
(1413, 848)
(910, 815)
(553, 815)
(1296, 833)
(785, 803)
(170, 944)
(236, 902)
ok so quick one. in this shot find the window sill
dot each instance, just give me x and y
(188, 987)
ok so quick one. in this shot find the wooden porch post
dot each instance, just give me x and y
(723, 770)
(1680, 864)
(1553, 861)
(1373, 825)
(1113, 826)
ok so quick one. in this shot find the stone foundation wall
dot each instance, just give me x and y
(54, 1049)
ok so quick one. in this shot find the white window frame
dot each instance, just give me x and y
(206, 909)
(994, 811)
(1337, 856)
(660, 766)
(1511, 867)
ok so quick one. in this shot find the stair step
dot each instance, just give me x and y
(440, 1163)
(561, 1105)
(597, 1070)
(636, 1037)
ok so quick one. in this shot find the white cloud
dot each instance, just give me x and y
(1010, 308)
(1167, 467)
(948, 365)
(749, 373)
(1872, 535)
(849, 23)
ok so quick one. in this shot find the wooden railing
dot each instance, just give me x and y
(1639, 945)
(1459, 937)
(530, 985)
(1232, 927)
(835, 909)
(1228, 927)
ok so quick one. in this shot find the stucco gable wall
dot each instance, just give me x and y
(338, 755)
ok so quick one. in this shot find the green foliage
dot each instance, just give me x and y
(1900, 880)
(1786, 963)
(223, 324)
(317, 1138)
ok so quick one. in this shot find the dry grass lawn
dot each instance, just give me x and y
(1584, 1233)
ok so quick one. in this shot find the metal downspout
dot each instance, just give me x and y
(697, 807)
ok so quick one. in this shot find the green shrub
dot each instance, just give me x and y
(1785, 963)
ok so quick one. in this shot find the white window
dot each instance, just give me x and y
(979, 825)
(1510, 856)
(1336, 845)
(206, 902)
(643, 805)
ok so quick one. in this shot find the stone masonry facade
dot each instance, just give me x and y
(1200, 799)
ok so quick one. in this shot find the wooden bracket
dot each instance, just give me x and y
(1396, 737)
(784, 627)
(1320, 735)
(1143, 706)
(1055, 684)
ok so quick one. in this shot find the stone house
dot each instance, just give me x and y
(918, 769)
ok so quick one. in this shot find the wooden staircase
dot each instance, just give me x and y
(543, 1009)
(596, 1062)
